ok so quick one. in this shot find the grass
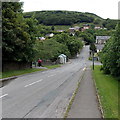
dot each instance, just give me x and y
(25, 71)
(52, 66)
(108, 91)
(62, 27)
(19, 72)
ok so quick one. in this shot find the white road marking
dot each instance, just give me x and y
(51, 75)
(33, 83)
(84, 68)
(43, 72)
(3, 95)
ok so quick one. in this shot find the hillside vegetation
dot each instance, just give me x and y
(69, 18)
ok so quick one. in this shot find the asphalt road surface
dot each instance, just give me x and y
(44, 94)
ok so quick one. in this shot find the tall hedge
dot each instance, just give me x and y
(110, 55)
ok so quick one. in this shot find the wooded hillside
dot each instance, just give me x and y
(70, 18)
(61, 17)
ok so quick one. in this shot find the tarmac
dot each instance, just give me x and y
(85, 104)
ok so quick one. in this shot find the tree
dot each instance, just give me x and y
(52, 28)
(17, 40)
(73, 43)
(93, 47)
(87, 37)
(110, 55)
(50, 50)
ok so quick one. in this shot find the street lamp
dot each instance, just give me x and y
(93, 58)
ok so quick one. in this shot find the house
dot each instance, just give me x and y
(71, 30)
(77, 28)
(41, 38)
(86, 26)
(60, 31)
(97, 27)
(102, 39)
(49, 35)
(99, 47)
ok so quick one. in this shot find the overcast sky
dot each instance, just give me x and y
(103, 8)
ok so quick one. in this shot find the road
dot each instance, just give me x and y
(43, 94)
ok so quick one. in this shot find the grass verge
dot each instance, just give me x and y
(71, 101)
(107, 87)
(19, 72)
(52, 66)
(25, 71)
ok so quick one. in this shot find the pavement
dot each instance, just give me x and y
(45, 94)
(85, 104)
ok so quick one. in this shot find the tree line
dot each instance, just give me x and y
(59, 17)
(110, 55)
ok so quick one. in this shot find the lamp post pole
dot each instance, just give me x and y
(93, 59)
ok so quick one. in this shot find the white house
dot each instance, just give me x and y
(97, 27)
(60, 30)
(50, 35)
(41, 38)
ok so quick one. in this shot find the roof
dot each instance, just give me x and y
(62, 55)
(103, 37)
(50, 35)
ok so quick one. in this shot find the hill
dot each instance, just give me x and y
(62, 17)
(69, 18)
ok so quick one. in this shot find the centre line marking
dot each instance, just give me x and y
(43, 72)
(33, 83)
(3, 95)
(52, 75)
(84, 68)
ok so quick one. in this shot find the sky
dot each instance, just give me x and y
(103, 8)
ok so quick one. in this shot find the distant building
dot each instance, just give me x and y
(60, 30)
(99, 47)
(97, 27)
(50, 35)
(77, 28)
(41, 38)
(102, 39)
(71, 30)
(85, 27)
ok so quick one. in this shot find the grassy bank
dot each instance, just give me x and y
(25, 71)
(108, 91)
(52, 66)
